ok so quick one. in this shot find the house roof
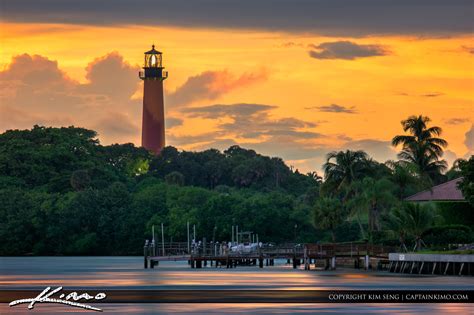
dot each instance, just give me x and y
(448, 191)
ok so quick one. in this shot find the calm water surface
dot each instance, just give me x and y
(127, 273)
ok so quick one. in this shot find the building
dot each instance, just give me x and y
(448, 191)
(153, 121)
(448, 201)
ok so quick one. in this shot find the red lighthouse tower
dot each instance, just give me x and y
(153, 124)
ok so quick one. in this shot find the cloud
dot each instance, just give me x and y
(469, 139)
(112, 76)
(251, 121)
(334, 108)
(456, 121)
(429, 94)
(434, 94)
(252, 126)
(234, 111)
(33, 90)
(333, 18)
(468, 49)
(116, 125)
(15, 118)
(291, 44)
(345, 50)
(450, 157)
(380, 150)
(210, 85)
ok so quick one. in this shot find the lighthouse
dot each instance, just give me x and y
(153, 120)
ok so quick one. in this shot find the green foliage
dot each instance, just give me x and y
(467, 184)
(404, 177)
(62, 193)
(174, 178)
(80, 180)
(456, 212)
(235, 167)
(342, 168)
(412, 219)
(374, 197)
(422, 147)
(444, 235)
(328, 214)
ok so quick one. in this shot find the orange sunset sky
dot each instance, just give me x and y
(296, 80)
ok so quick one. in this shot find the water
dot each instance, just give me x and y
(104, 273)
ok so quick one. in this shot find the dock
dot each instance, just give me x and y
(325, 256)
(434, 264)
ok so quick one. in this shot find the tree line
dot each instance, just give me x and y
(63, 193)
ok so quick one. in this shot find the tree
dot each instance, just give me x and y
(80, 180)
(370, 197)
(403, 176)
(344, 167)
(455, 170)
(175, 178)
(422, 146)
(467, 183)
(328, 214)
(396, 222)
(413, 219)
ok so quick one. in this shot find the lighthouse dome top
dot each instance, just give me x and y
(153, 51)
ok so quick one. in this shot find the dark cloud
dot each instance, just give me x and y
(457, 121)
(210, 85)
(429, 94)
(220, 111)
(434, 94)
(336, 17)
(345, 50)
(334, 108)
(205, 138)
(291, 44)
(33, 90)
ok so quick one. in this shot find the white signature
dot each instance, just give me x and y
(45, 297)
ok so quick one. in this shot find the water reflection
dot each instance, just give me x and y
(128, 272)
(259, 308)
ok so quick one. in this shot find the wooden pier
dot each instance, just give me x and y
(328, 256)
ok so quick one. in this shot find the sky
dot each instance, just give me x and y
(295, 79)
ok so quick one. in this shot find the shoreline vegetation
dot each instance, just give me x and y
(63, 193)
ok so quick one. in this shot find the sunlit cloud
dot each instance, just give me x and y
(210, 85)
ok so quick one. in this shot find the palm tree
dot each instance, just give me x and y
(345, 167)
(422, 147)
(414, 219)
(403, 176)
(371, 196)
(396, 222)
